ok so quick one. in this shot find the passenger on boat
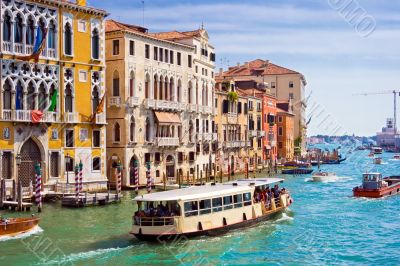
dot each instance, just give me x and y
(276, 191)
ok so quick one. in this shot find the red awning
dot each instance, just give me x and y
(167, 118)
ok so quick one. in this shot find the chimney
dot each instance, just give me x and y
(238, 64)
(221, 70)
(81, 2)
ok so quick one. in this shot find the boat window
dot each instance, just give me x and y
(191, 208)
(217, 204)
(238, 200)
(205, 206)
(247, 199)
(228, 202)
(158, 209)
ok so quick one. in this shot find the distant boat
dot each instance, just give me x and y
(17, 226)
(396, 157)
(323, 176)
(377, 160)
(377, 150)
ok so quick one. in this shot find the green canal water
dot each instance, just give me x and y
(325, 225)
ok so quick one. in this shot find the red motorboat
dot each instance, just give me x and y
(16, 226)
(375, 186)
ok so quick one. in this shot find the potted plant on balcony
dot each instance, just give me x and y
(233, 96)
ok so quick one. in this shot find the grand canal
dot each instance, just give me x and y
(325, 225)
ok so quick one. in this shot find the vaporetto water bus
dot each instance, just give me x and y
(208, 210)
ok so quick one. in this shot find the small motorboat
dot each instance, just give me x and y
(377, 160)
(374, 186)
(323, 176)
(16, 226)
(396, 157)
(377, 150)
(371, 154)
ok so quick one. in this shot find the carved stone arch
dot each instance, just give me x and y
(19, 12)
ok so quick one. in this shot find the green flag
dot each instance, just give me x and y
(53, 104)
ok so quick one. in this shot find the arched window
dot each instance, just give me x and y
(155, 87)
(52, 91)
(147, 131)
(7, 28)
(132, 84)
(147, 87)
(117, 132)
(160, 88)
(68, 99)
(31, 97)
(166, 95)
(19, 97)
(7, 95)
(52, 36)
(116, 83)
(132, 128)
(171, 90)
(18, 29)
(95, 99)
(42, 97)
(68, 39)
(190, 92)
(179, 92)
(191, 135)
(30, 31)
(95, 44)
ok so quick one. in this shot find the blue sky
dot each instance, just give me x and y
(338, 56)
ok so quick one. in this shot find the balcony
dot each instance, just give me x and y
(261, 133)
(233, 144)
(273, 143)
(149, 103)
(26, 116)
(29, 49)
(169, 105)
(215, 136)
(101, 118)
(18, 48)
(114, 101)
(133, 101)
(207, 136)
(232, 118)
(252, 133)
(167, 142)
(199, 137)
(51, 53)
(192, 108)
(207, 110)
(70, 117)
(7, 47)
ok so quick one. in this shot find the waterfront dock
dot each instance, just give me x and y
(12, 196)
(89, 199)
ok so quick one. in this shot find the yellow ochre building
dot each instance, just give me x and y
(51, 110)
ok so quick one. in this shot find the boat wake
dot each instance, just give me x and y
(34, 231)
(285, 217)
(86, 255)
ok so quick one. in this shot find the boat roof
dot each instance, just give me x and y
(207, 191)
(376, 173)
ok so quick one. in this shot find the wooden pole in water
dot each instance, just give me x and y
(165, 181)
(19, 188)
(201, 177)
(14, 190)
(194, 178)
(178, 176)
(220, 176)
(2, 192)
(247, 170)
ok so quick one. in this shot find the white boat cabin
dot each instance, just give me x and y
(207, 207)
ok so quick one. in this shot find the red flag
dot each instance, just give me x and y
(36, 116)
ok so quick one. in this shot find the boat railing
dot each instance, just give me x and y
(153, 221)
(277, 202)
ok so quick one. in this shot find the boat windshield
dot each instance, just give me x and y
(158, 209)
(372, 177)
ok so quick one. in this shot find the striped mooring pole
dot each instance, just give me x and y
(77, 184)
(80, 177)
(136, 169)
(119, 179)
(148, 176)
(38, 190)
